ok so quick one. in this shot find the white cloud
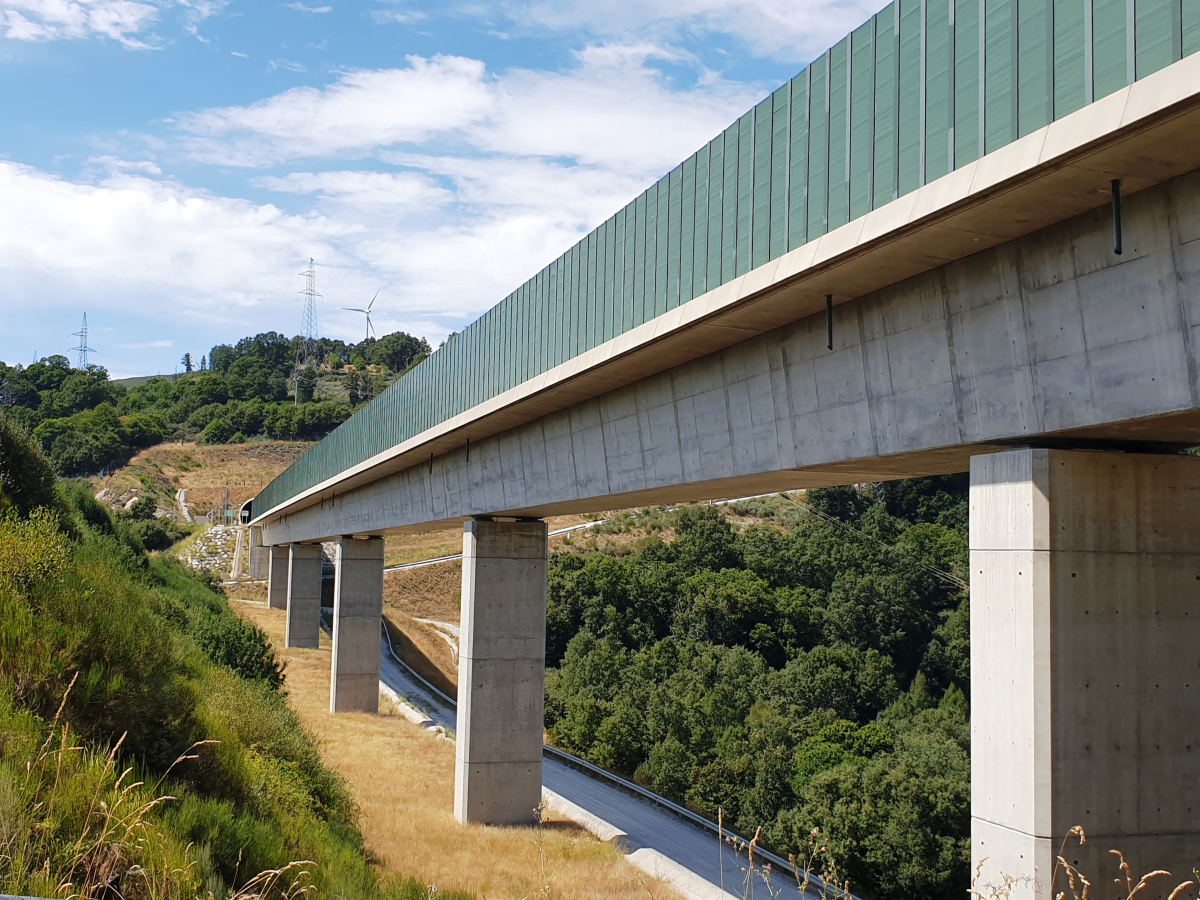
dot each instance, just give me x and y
(611, 109)
(121, 20)
(146, 345)
(287, 65)
(781, 28)
(44, 20)
(116, 164)
(309, 10)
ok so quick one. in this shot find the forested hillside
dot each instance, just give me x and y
(146, 749)
(808, 673)
(83, 421)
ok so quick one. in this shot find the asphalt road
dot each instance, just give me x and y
(651, 837)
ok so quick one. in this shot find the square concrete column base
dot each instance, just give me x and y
(357, 624)
(1085, 572)
(501, 673)
(277, 576)
(304, 596)
(497, 793)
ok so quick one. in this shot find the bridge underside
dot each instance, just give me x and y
(1051, 339)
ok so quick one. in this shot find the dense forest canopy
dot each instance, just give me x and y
(810, 672)
(83, 421)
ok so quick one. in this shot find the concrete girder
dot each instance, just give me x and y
(1048, 337)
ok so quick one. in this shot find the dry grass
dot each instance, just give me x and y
(430, 592)
(204, 470)
(424, 650)
(403, 780)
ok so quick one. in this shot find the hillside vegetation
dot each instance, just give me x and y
(84, 422)
(146, 749)
(807, 674)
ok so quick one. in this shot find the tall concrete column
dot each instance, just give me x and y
(501, 673)
(357, 624)
(304, 596)
(277, 576)
(260, 556)
(1085, 682)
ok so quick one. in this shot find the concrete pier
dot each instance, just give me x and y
(501, 672)
(357, 620)
(304, 596)
(1085, 572)
(277, 576)
(260, 556)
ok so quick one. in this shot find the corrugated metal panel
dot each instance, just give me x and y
(760, 222)
(939, 102)
(647, 235)
(798, 163)
(1070, 83)
(674, 223)
(839, 133)
(780, 118)
(687, 230)
(716, 205)
(1034, 61)
(818, 147)
(1159, 31)
(611, 285)
(1000, 90)
(640, 276)
(887, 86)
(729, 197)
(745, 192)
(966, 82)
(627, 321)
(862, 117)
(910, 96)
(700, 256)
(662, 249)
(1109, 58)
(1190, 11)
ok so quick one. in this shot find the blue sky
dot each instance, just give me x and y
(169, 166)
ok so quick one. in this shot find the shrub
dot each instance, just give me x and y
(240, 645)
(218, 431)
(26, 476)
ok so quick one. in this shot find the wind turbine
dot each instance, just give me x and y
(367, 313)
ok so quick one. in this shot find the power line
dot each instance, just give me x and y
(82, 351)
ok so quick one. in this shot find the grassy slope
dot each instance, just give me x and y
(135, 656)
(402, 778)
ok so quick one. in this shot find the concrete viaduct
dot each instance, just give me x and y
(982, 321)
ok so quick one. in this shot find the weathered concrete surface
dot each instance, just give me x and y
(501, 673)
(260, 558)
(1050, 334)
(277, 577)
(357, 620)
(1085, 572)
(304, 596)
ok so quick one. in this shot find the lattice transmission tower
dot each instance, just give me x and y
(308, 325)
(82, 351)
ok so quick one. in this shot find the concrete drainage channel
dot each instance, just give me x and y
(658, 836)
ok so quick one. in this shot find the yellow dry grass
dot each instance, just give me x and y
(403, 781)
(406, 548)
(430, 592)
(205, 470)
